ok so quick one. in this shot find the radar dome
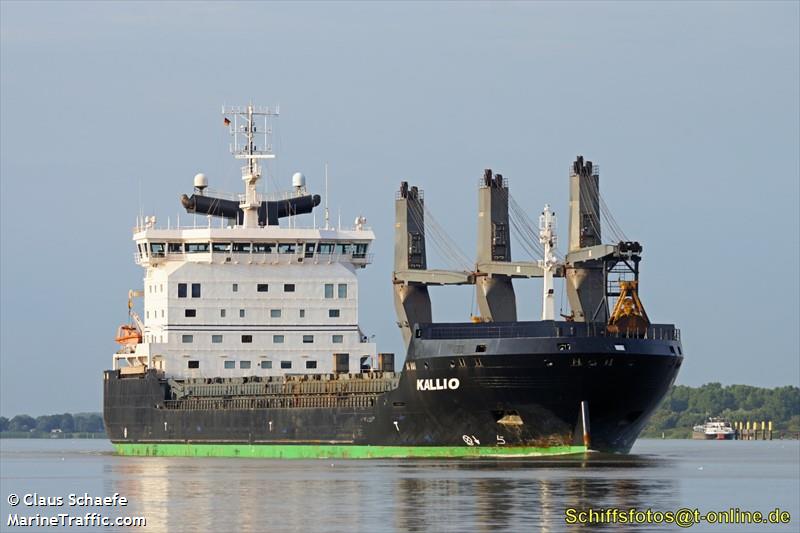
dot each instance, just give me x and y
(200, 181)
(298, 180)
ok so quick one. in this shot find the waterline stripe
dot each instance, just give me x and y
(333, 451)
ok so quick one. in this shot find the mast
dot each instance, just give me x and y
(495, 291)
(548, 239)
(586, 285)
(246, 138)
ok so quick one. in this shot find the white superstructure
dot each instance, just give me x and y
(549, 262)
(246, 299)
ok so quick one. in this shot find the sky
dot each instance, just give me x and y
(692, 111)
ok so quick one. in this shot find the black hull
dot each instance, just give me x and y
(515, 400)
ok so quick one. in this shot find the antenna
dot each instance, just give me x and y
(245, 145)
(327, 217)
(141, 209)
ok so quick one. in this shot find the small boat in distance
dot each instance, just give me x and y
(714, 429)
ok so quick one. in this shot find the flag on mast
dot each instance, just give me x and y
(226, 121)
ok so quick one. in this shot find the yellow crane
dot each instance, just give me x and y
(628, 315)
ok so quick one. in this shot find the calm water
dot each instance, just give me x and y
(184, 494)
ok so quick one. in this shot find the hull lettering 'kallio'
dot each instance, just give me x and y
(247, 342)
(438, 384)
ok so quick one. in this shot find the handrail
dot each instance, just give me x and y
(543, 330)
(273, 256)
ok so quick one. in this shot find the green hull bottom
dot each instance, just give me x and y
(333, 451)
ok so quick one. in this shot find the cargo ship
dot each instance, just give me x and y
(247, 342)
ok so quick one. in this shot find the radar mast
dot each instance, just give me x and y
(547, 238)
(250, 144)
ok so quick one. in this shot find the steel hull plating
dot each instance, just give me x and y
(452, 406)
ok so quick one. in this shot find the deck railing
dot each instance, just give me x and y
(534, 329)
(273, 258)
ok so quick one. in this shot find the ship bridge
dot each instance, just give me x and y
(250, 292)
(269, 245)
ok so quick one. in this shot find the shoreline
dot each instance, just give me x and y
(52, 436)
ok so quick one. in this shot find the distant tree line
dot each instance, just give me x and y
(66, 423)
(685, 407)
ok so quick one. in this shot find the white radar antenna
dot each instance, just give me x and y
(548, 239)
(251, 144)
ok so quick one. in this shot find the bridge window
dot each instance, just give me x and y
(230, 365)
(241, 313)
(221, 247)
(157, 249)
(302, 313)
(266, 365)
(286, 364)
(343, 248)
(286, 248)
(246, 339)
(360, 251)
(288, 287)
(308, 339)
(277, 339)
(175, 247)
(195, 290)
(325, 248)
(196, 247)
(262, 287)
(182, 290)
(264, 247)
(342, 290)
(190, 313)
(222, 313)
(310, 249)
(244, 365)
(216, 339)
(311, 364)
(274, 313)
(333, 313)
(235, 287)
(241, 247)
(337, 339)
(329, 290)
(186, 339)
(193, 364)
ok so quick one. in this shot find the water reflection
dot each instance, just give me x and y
(530, 495)
(178, 494)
